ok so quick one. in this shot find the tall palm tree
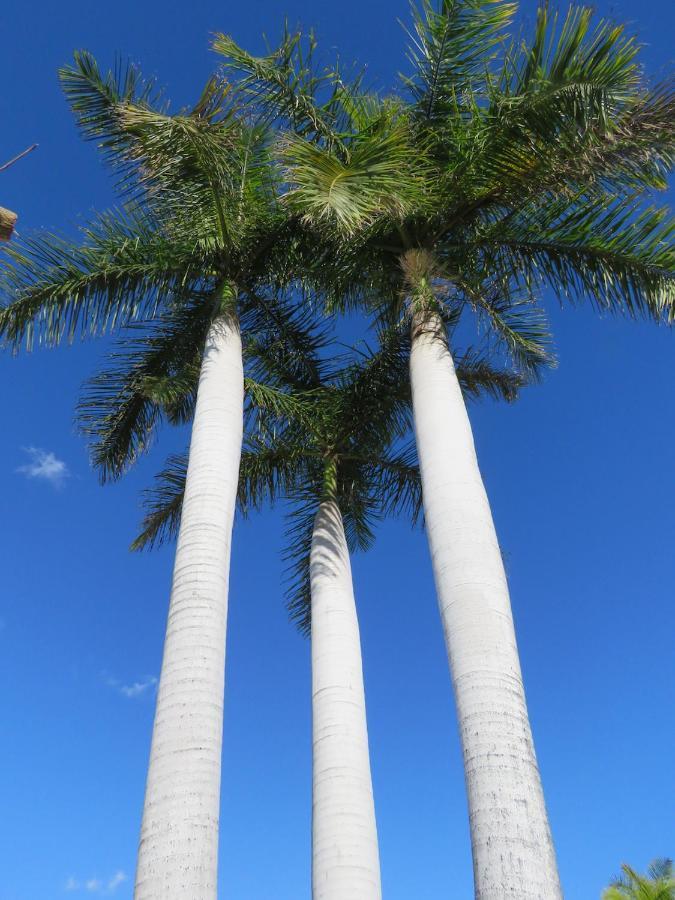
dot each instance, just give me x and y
(506, 168)
(657, 884)
(334, 448)
(195, 253)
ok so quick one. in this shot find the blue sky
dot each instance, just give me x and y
(579, 473)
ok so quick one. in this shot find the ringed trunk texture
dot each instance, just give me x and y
(178, 854)
(513, 854)
(345, 855)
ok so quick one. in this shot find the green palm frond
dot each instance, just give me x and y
(285, 340)
(268, 472)
(286, 86)
(657, 884)
(163, 505)
(479, 377)
(396, 478)
(451, 48)
(524, 151)
(570, 108)
(618, 255)
(570, 53)
(206, 164)
(296, 556)
(126, 268)
(520, 324)
(154, 373)
(382, 175)
(131, 124)
(269, 406)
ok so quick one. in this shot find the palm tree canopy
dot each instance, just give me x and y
(198, 226)
(657, 884)
(516, 164)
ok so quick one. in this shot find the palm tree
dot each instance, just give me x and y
(657, 884)
(507, 168)
(195, 254)
(334, 448)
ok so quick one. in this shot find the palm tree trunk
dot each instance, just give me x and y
(178, 854)
(513, 853)
(345, 856)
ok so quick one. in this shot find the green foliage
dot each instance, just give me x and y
(377, 176)
(200, 212)
(450, 50)
(127, 268)
(547, 146)
(285, 86)
(657, 884)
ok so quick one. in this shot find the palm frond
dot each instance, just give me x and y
(285, 340)
(131, 124)
(570, 52)
(382, 175)
(155, 372)
(451, 48)
(163, 505)
(285, 85)
(268, 471)
(296, 556)
(519, 323)
(396, 479)
(478, 377)
(618, 255)
(127, 268)
(657, 884)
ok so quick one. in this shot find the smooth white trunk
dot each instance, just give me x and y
(513, 853)
(345, 856)
(178, 853)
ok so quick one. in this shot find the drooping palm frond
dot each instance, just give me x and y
(127, 268)
(397, 476)
(269, 407)
(618, 255)
(154, 374)
(267, 473)
(520, 324)
(296, 556)
(163, 505)
(451, 47)
(479, 377)
(285, 340)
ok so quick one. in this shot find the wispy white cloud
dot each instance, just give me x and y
(137, 689)
(45, 466)
(118, 878)
(96, 885)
